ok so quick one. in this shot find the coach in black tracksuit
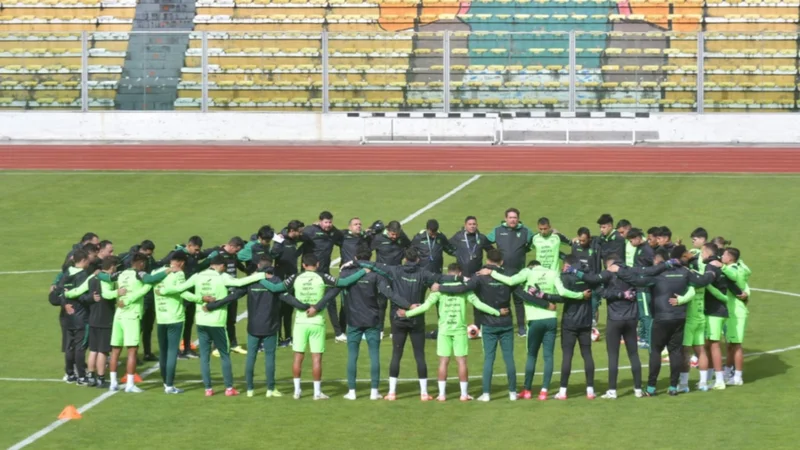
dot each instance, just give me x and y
(321, 242)
(431, 246)
(668, 319)
(77, 320)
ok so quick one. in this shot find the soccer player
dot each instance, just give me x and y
(232, 265)
(452, 338)
(409, 282)
(147, 247)
(586, 249)
(715, 309)
(319, 239)
(542, 322)
(105, 249)
(285, 254)
(77, 314)
(361, 301)
(431, 246)
(513, 239)
(623, 226)
(126, 327)
(264, 301)
(738, 272)
(170, 315)
(309, 328)
(88, 238)
(638, 254)
(576, 326)
(694, 333)
(672, 289)
(389, 248)
(258, 245)
(103, 296)
(699, 238)
(652, 237)
(211, 285)
(494, 330)
(547, 245)
(610, 240)
(197, 260)
(664, 238)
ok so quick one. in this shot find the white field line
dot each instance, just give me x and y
(53, 426)
(226, 173)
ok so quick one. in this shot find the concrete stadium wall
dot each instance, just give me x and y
(312, 127)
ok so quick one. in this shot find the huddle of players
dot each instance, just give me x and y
(661, 278)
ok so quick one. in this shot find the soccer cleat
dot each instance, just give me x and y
(350, 396)
(215, 353)
(133, 389)
(591, 396)
(649, 393)
(91, 380)
(559, 396)
(542, 395)
(425, 397)
(512, 396)
(113, 387)
(719, 386)
(285, 343)
(734, 382)
(297, 394)
(71, 379)
(484, 397)
(209, 392)
(466, 398)
(375, 396)
(683, 389)
(65, 377)
(251, 392)
(238, 349)
(274, 393)
(609, 395)
(638, 393)
(191, 354)
(441, 398)
(101, 384)
(150, 357)
(390, 397)
(231, 392)
(433, 335)
(644, 345)
(522, 334)
(82, 382)
(526, 394)
(342, 338)
(173, 390)
(320, 396)
(703, 388)
(672, 392)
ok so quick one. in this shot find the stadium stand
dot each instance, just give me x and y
(40, 51)
(267, 55)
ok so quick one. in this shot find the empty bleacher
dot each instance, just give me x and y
(267, 55)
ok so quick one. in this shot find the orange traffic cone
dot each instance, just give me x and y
(136, 378)
(69, 413)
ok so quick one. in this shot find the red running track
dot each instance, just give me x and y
(400, 158)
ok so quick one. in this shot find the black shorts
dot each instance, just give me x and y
(99, 340)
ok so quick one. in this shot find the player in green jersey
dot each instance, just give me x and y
(547, 244)
(694, 331)
(211, 285)
(737, 271)
(452, 339)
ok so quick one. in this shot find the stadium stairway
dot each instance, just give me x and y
(153, 64)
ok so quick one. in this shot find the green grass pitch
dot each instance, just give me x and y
(45, 213)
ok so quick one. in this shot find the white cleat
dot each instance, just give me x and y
(683, 389)
(734, 382)
(350, 396)
(342, 338)
(611, 395)
(296, 395)
(375, 396)
(512, 396)
(173, 390)
(320, 396)
(638, 393)
(484, 397)
(113, 387)
(133, 389)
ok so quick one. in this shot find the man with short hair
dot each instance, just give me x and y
(233, 265)
(319, 239)
(737, 271)
(513, 239)
(389, 248)
(211, 285)
(664, 238)
(105, 249)
(431, 246)
(623, 226)
(639, 254)
(77, 315)
(652, 237)
(285, 253)
(452, 339)
(610, 240)
(258, 245)
(146, 248)
(585, 248)
(470, 245)
(87, 238)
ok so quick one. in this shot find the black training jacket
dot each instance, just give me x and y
(361, 304)
(469, 248)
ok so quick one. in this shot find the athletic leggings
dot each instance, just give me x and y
(401, 331)
(354, 338)
(583, 336)
(541, 333)
(669, 334)
(190, 308)
(169, 336)
(286, 317)
(337, 317)
(147, 324)
(615, 329)
(230, 324)
(75, 354)
(270, 345)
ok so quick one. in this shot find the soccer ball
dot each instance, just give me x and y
(595, 334)
(694, 362)
(473, 331)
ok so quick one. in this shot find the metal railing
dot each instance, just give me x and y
(447, 71)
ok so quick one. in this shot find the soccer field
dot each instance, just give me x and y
(45, 213)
